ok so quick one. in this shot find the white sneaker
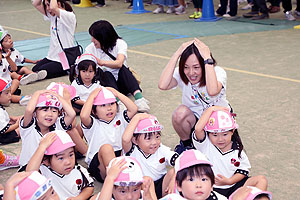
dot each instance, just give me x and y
(24, 100)
(179, 8)
(42, 74)
(170, 10)
(247, 7)
(159, 10)
(226, 15)
(142, 105)
(297, 13)
(28, 78)
(289, 16)
(181, 11)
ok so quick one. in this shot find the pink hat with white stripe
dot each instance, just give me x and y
(220, 121)
(86, 56)
(148, 125)
(58, 88)
(4, 84)
(254, 193)
(130, 176)
(104, 96)
(48, 100)
(62, 142)
(190, 158)
(32, 187)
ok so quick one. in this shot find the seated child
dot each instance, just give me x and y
(216, 137)
(195, 177)
(104, 124)
(9, 125)
(142, 140)
(29, 185)
(125, 180)
(43, 114)
(55, 158)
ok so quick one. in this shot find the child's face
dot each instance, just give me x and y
(149, 144)
(87, 75)
(46, 116)
(106, 112)
(7, 43)
(5, 97)
(221, 140)
(196, 188)
(49, 195)
(127, 193)
(63, 162)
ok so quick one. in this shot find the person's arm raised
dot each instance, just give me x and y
(38, 4)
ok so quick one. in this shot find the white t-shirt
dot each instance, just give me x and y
(154, 165)
(4, 120)
(31, 137)
(66, 24)
(176, 196)
(83, 91)
(4, 70)
(98, 195)
(190, 93)
(120, 48)
(69, 185)
(16, 56)
(224, 163)
(102, 132)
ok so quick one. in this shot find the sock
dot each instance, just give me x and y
(117, 99)
(2, 157)
(21, 98)
(138, 95)
(19, 78)
(187, 143)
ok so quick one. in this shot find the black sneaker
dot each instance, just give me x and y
(251, 14)
(181, 148)
(261, 16)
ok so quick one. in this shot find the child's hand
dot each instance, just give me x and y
(219, 108)
(14, 180)
(113, 90)
(116, 168)
(66, 94)
(47, 140)
(8, 53)
(95, 92)
(99, 62)
(141, 116)
(146, 189)
(241, 193)
(222, 180)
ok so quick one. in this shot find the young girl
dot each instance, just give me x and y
(141, 140)
(62, 23)
(85, 81)
(103, 123)
(195, 177)
(23, 74)
(29, 185)
(55, 158)
(216, 136)
(42, 115)
(125, 180)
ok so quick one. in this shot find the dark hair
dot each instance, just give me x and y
(83, 65)
(146, 135)
(192, 49)
(195, 170)
(48, 157)
(63, 4)
(260, 196)
(94, 112)
(47, 107)
(105, 33)
(1, 42)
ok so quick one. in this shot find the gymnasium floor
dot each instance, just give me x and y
(261, 58)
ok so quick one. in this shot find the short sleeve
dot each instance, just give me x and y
(19, 57)
(121, 47)
(244, 165)
(221, 75)
(200, 145)
(170, 155)
(177, 77)
(67, 18)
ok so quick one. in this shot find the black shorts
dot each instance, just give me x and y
(93, 168)
(18, 69)
(228, 191)
(193, 128)
(10, 137)
(158, 186)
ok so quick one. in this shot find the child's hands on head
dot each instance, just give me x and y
(15, 179)
(219, 108)
(47, 140)
(116, 168)
(113, 90)
(95, 92)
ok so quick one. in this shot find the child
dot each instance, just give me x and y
(194, 177)
(85, 82)
(42, 115)
(216, 136)
(29, 185)
(103, 123)
(7, 161)
(9, 125)
(141, 140)
(23, 74)
(125, 180)
(55, 158)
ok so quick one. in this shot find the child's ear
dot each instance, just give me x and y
(134, 140)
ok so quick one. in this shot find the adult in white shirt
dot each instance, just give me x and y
(62, 22)
(203, 84)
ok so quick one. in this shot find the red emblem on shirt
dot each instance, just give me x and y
(78, 181)
(118, 123)
(232, 160)
(237, 164)
(162, 160)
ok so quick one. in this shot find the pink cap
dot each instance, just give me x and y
(104, 96)
(147, 125)
(220, 121)
(86, 56)
(189, 158)
(254, 193)
(48, 100)
(32, 187)
(59, 87)
(4, 84)
(62, 142)
(132, 175)
(173, 196)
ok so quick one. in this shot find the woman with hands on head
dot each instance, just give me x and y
(203, 85)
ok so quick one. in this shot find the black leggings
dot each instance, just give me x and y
(53, 68)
